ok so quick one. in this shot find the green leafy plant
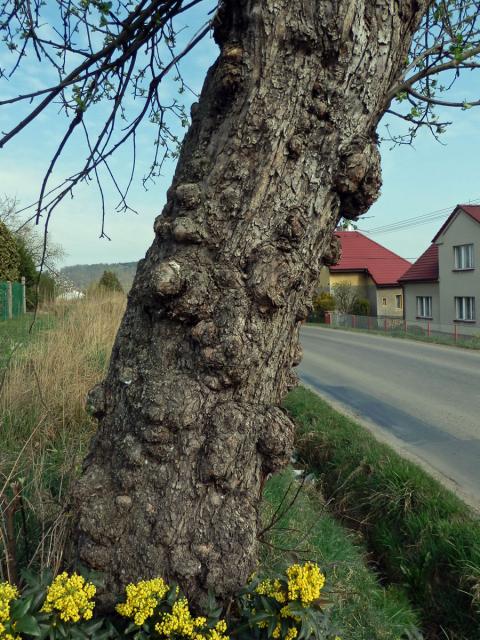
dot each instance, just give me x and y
(285, 607)
(288, 606)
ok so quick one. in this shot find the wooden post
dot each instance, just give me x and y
(369, 321)
(9, 301)
(385, 324)
(455, 332)
(24, 296)
(428, 328)
(353, 321)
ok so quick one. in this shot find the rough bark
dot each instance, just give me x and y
(282, 141)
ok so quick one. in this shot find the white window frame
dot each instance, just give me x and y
(399, 299)
(465, 308)
(463, 257)
(424, 307)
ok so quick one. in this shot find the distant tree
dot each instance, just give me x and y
(47, 288)
(43, 253)
(28, 271)
(321, 303)
(345, 294)
(361, 307)
(110, 281)
(9, 256)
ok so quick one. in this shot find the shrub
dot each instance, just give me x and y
(285, 606)
(9, 256)
(322, 303)
(361, 307)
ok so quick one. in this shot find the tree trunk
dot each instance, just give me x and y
(282, 141)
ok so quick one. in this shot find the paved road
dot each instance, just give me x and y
(423, 398)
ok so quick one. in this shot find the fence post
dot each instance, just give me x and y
(9, 301)
(428, 328)
(369, 323)
(385, 325)
(405, 325)
(24, 296)
(353, 321)
(455, 332)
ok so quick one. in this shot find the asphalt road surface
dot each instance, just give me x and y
(423, 399)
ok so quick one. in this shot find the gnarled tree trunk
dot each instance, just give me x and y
(282, 141)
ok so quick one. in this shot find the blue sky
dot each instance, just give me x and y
(416, 180)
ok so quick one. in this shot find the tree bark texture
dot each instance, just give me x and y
(282, 141)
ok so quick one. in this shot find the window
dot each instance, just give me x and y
(399, 301)
(465, 308)
(424, 306)
(463, 256)
(384, 302)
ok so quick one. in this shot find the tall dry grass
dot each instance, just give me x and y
(44, 428)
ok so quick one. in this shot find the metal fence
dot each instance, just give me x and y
(12, 300)
(421, 329)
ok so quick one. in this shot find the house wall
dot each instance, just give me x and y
(390, 309)
(462, 230)
(324, 281)
(414, 289)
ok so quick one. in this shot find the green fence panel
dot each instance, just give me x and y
(3, 301)
(17, 300)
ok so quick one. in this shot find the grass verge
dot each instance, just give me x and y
(44, 429)
(16, 333)
(361, 608)
(422, 536)
(464, 342)
(44, 433)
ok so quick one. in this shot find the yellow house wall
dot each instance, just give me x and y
(390, 308)
(367, 289)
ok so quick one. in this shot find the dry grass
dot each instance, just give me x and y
(44, 429)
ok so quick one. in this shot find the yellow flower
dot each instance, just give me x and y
(286, 613)
(276, 632)
(305, 582)
(273, 589)
(180, 621)
(142, 599)
(70, 597)
(7, 594)
(292, 633)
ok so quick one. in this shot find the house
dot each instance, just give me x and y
(372, 268)
(443, 285)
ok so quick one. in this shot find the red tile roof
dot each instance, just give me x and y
(425, 269)
(472, 210)
(359, 253)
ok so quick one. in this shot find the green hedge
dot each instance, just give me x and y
(420, 534)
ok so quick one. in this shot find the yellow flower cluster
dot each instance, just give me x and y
(219, 632)
(7, 594)
(286, 613)
(272, 588)
(70, 597)
(142, 598)
(180, 621)
(290, 635)
(305, 582)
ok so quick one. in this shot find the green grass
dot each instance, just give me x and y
(421, 535)
(471, 342)
(18, 332)
(361, 608)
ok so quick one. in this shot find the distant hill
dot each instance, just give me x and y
(82, 275)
